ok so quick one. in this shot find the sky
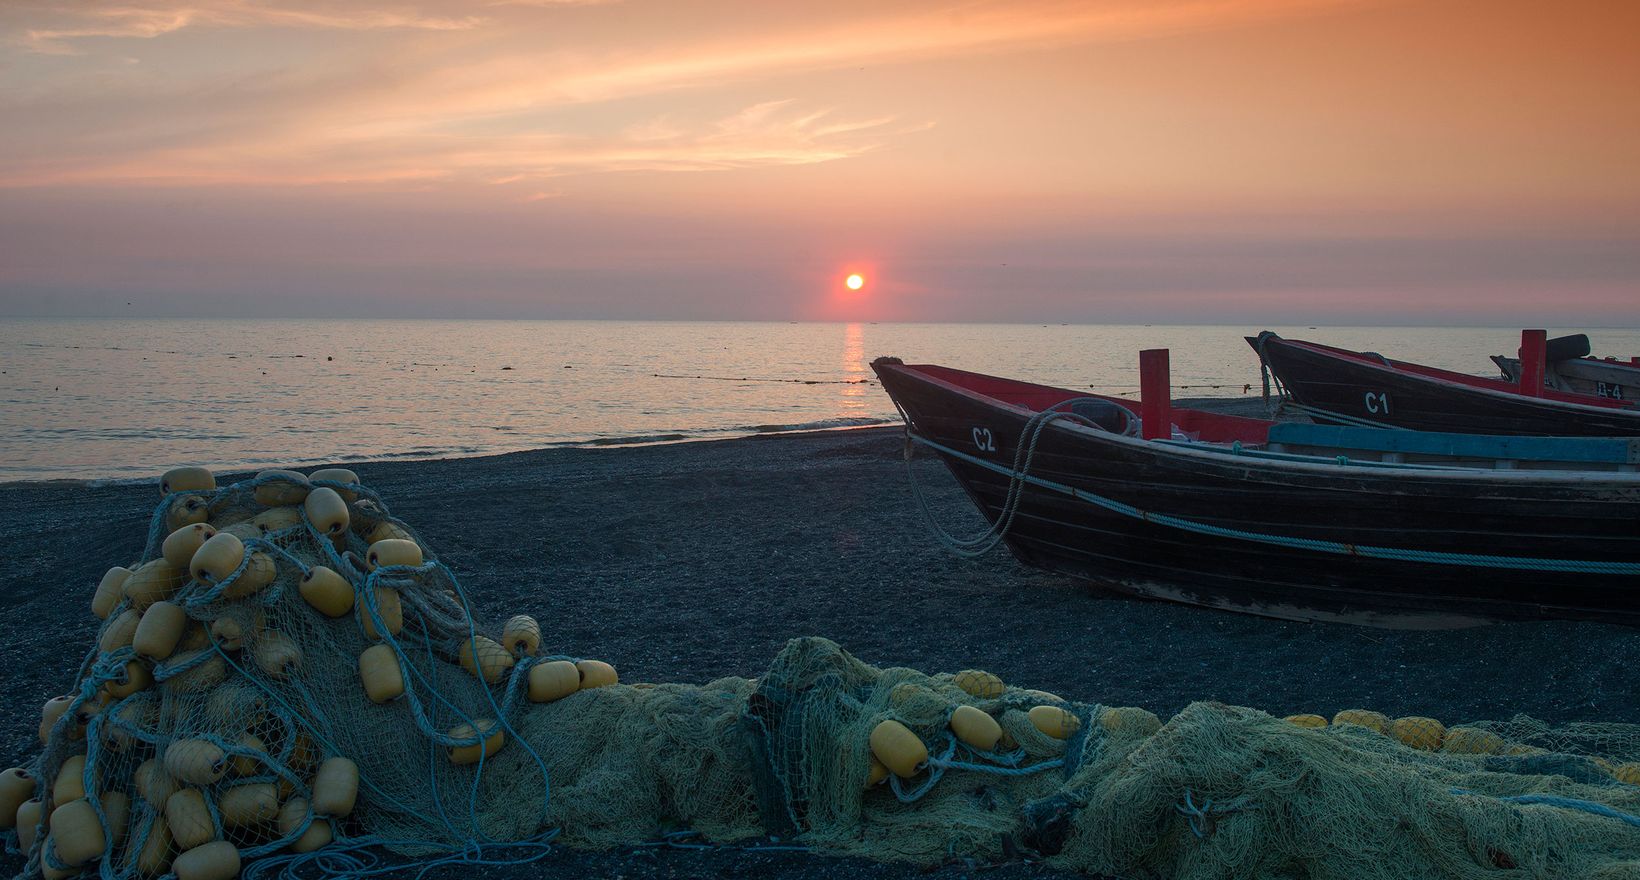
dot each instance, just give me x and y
(1185, 161)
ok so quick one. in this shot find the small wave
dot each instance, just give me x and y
(633, 441)
(821, 425)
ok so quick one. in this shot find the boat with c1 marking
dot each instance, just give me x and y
(1343, 387)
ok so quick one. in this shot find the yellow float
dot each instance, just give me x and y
(153, 784)
(1629, 773)
(153, 581)
(553, 680)
(1054, 721)
(186, 511)
(70, 782)
(251, 803)
(231, 630)
(53, 710)
(109, 591)
(77, 833)
(137, 677)
(1376, 721)
(186, 479)
(189, 818)
(493, 739)
(338, 475)
(596, 674)
(335, 787)
(386, 531)
(179, 546)
(276, 654)
(28, 817)
(249, 764)
(393, 551)
(119, 632)
(979, 683)
(16, 786)
(284, 487)
(521, 636)
(900, 750)
(1314, 722)
(327, 591)
(391, 609)
(326, 511)
(196, 762)
(276, 520)
(485, 658)
(159, 630)
(215, 560)
(1472, 741)
(379, 671)
(217, 860)
(1129, 721)
(260, 571)
(154, 858)
(975, 728)
(1418, 732)
(116, 807)
(291, 817)
(878, 773)
(200, 676)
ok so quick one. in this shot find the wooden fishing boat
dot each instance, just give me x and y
(1568, 367)
(1339, 386)
(1384, 528)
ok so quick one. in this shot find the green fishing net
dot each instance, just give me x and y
(253, 739)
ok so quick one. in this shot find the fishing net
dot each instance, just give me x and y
(312, 684)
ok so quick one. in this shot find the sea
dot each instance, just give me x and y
(93, 399)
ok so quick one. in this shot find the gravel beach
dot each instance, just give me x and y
(693, 561)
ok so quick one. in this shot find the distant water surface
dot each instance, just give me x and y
(127, 399)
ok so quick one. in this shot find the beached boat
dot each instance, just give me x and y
(1385, 528)
(1568, 367)
(1339, 386)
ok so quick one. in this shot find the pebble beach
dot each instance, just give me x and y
(692, 561)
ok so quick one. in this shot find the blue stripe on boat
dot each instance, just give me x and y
(1611, 450)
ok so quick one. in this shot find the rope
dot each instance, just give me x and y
(1564, 803)
(1338, 548)
(1024, 453)
(981, 763)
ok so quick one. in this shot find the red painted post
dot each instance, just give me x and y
(1155, 395)
(1532, 358)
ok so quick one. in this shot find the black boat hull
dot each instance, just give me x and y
(1479, 513)
(1349, 391)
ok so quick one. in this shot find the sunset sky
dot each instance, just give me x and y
(1239, 161)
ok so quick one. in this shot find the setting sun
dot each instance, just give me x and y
(855, 282)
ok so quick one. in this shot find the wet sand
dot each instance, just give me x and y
(693, 561)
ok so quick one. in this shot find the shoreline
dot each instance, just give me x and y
(1246, 405)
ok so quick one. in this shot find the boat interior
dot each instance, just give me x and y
(1307, 442)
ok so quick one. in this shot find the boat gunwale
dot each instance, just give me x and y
(1556, 397)
(1223, 453)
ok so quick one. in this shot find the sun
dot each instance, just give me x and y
(855, 282)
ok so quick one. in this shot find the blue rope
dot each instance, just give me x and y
(979, 763)
(1564, 803)
(1434, 557)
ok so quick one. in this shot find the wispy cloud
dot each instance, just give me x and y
(59, 25)
(467, 90)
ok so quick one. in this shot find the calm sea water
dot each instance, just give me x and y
(127, 399)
